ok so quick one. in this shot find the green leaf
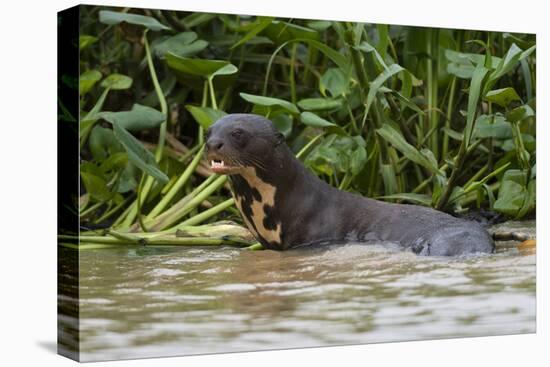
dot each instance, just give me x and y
(225, 70)
(196, 19)
(113, 17)
(117, 82)
(358, 160)
(96, 186)
(261, 24)
(505, 65)
(520, 113)
(335, 56)
(335, 81)
(492, 126)
(503, 97)
(198, 67)
(182, 44)
(103, 143)
(205, 116)
(87, 81)
(530, 199)
(85, 40)
(368, 48)
(138, 118)
(272, 104)
(319, 104)
(473, 98)
(421, 199)
(377, 83)
(138, 155)
(319, 25)
(115, 161)
(513, 195)
(311, 119)
(389, 178)
(280, 32)
(395, 138)
(283, 124)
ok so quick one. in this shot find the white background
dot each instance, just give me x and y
(28, 181)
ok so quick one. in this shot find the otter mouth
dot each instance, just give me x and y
(223, 167)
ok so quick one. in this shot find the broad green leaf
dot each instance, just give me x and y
(511, 198)
(514, 199)
(103, 143)
(182, 44)
(114, 162)
(397, 140)
(205, 116)
(138, 154)
(530, 200)
(283, 124)
(95, 186)
(113, 17)
(127, 181)
(528, 141)
(492, 126)
(421, 199)
(271, 103)
(280, 32)
(87, 81)
(138, 118)
(311, 119)
(85, 40)
(319, 104)
(197, 67)
(261, 24)
(463, 64)
(117, 82)
(225, 70)
(319, 25)
(503, 97)
(334, 80)
(520, 113)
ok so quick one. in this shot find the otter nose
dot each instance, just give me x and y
(214, 144)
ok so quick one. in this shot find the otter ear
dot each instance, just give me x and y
(279, 138)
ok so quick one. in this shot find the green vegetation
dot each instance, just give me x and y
(436, 117)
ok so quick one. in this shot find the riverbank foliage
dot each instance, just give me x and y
(436, 117)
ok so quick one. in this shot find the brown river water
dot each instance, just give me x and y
(145, 302)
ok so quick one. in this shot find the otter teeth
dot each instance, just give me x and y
(217, 164)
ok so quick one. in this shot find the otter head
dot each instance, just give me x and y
(249, 149)
(240, 141)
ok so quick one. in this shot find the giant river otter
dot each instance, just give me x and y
(285, 206)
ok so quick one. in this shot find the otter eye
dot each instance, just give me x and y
(237, 133)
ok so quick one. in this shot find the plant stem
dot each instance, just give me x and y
(186, 205)
(129, 219)
(182, 180)
(201, 217)
(212, 93)
(292, 77)
(157, 241)
(449, 115)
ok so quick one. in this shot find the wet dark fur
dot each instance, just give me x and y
(310, 211)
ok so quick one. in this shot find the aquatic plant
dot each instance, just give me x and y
(436, 117)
